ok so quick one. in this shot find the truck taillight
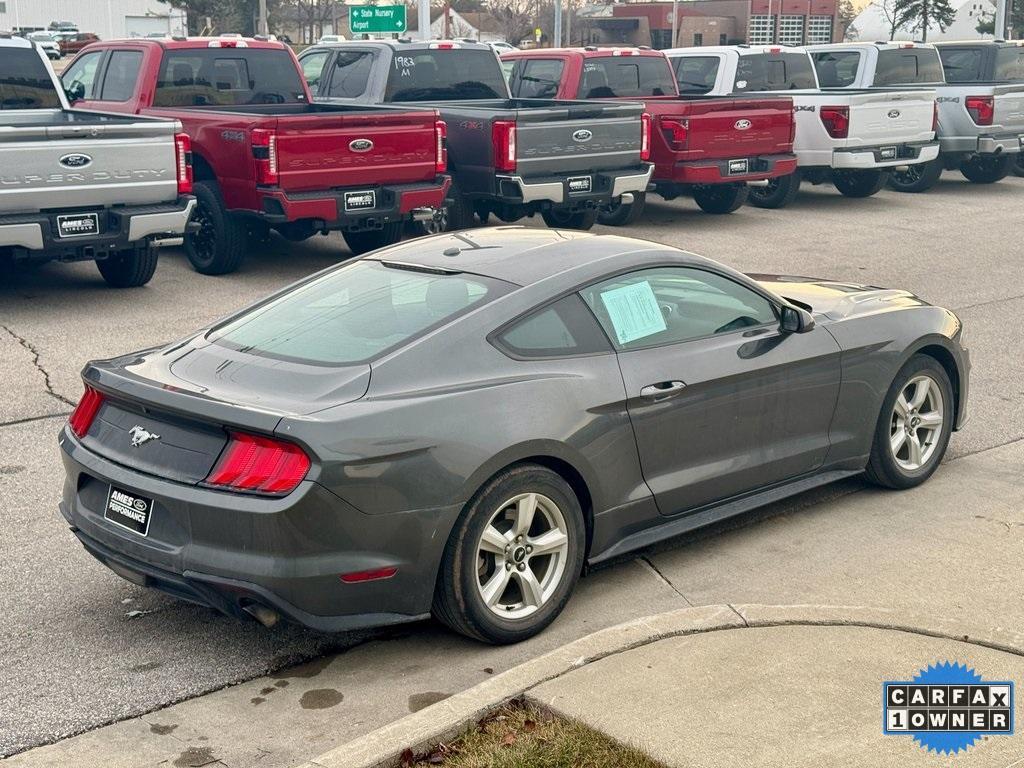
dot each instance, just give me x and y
(836, 121)
(645, 136)
(982, 109)
(676, 132)
(503, 138)
(260, 464)
(85, 412)
(183, 162)
(935, 116)
(792, 126)
(264, 149)
(441, 154)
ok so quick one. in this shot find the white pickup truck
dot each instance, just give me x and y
(853, 139)
(78, 186)
(980, 124)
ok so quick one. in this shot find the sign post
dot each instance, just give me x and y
(376, 19)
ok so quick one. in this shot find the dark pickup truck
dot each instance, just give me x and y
(511, 157)
(264, 155)
(707, 146)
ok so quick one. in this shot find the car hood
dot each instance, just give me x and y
(836, 300)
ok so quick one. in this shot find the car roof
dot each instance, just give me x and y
(590, 52)
(405, 44)
(14, 42)
(528, 255)
(175, 43)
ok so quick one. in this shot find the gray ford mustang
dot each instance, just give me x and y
(457, 424)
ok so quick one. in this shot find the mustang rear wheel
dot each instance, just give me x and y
(914, 427)
(513, 557)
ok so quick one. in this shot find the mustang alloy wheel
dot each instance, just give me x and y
(916, 423)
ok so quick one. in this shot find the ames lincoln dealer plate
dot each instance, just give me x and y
(78, 224)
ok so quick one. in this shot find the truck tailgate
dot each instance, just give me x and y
(734, 127)
(318, 152)
(71, 159)
(1009, 108)
(890, 116)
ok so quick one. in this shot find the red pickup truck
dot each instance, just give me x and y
(710, 147)
(264, 155)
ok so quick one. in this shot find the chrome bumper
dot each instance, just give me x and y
(555, 191)
(166, 223)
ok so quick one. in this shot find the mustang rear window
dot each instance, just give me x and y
(25, 83)
(355, 313)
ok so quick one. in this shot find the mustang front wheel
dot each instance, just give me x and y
(513, 558)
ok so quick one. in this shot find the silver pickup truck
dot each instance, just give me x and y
(980, 124)
(78, 186)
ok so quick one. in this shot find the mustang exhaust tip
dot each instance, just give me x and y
(265, 616)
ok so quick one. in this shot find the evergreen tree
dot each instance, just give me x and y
(921, 14)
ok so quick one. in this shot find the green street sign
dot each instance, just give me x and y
(376, 18)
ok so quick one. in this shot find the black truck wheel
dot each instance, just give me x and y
(721, 198)
(917, 178)
(129, 269)
(619, 214)
(987, 169)
(565, 220)
(1018, 164)
(218, 245)
(362, 242)
(859, 183)
(777, 193)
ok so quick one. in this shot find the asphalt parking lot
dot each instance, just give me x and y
(80, 648)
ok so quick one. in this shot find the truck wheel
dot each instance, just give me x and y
(363, 242)
(129, 269)
(618, 214)
(219, 244)
(917, 178)
(859, 183)
(778, 193)
(565, 220)
(296, 231)
(1018, 164)
(988, 169)
(721, 198)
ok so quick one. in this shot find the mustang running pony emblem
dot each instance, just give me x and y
(141, 435)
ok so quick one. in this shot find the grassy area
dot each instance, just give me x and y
(519, 736)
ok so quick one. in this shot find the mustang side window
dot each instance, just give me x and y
(558, 330)
(668, 305)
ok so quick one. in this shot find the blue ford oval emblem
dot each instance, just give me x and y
(360, 145)
(75, 160)
(582, 135)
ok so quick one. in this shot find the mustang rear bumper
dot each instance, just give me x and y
(235, 551)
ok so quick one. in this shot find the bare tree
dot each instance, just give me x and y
(891, 12)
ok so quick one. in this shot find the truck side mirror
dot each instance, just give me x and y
(75, 91)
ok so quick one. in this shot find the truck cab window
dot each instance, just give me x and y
(80, 77)
(836, 69)
(313, 69)
(774, 72)
(121, 75)
(632, 76)
(962, 65)
(537, 78)
(445, 75)
(1009, 64)
(351, 74)
(697, 74)
(904, 66)
(227, 77)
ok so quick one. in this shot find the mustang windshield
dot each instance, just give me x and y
(355, 313)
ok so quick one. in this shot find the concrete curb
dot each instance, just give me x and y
(447, 719)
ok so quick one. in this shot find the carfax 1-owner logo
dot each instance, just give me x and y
(947, 707)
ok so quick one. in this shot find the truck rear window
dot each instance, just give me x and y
(445, 75)
(626, 76)
(25, 83)
(198, 77)
(1009, 64)
(774, 72)
(836, 69)
(962, 65)
(906, 66)
(697, 74)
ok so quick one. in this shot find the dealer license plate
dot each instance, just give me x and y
(78, 224)
(360, 201)
(737, 167)
(128, 510)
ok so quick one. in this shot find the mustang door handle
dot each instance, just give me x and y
(662, 389)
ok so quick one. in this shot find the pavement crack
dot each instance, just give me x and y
(1008, 524)
(646, 561)
(988, 303)
(1011, 441)
(29, 419)
(31, 349)
(742, 617)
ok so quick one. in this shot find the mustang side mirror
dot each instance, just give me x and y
(796, 320)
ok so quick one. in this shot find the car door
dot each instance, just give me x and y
(722, 401)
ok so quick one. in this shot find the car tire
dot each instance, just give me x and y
(899, 467)
(988, 169)
(296, 231)
(219, 244)
(129, 269)
(721, 198)
(859, 183)
(515, 607)
(618, 214)
(917, 178)
(364, 242)
(778, 193)
(1018, 164)
(582, 220)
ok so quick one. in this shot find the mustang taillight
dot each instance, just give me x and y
(503, 138)
(645, 136)
(260, 464)
(85, 412)
(676, 132)
(264, 149)
(836, 121)
(441, 157)
(982, 109)
(183, 162)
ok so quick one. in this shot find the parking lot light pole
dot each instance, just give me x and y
(423, 19)
(558, 24)
(999, 29)
(675, 23)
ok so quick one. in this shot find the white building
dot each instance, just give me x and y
(871, 23)
(107, 18)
